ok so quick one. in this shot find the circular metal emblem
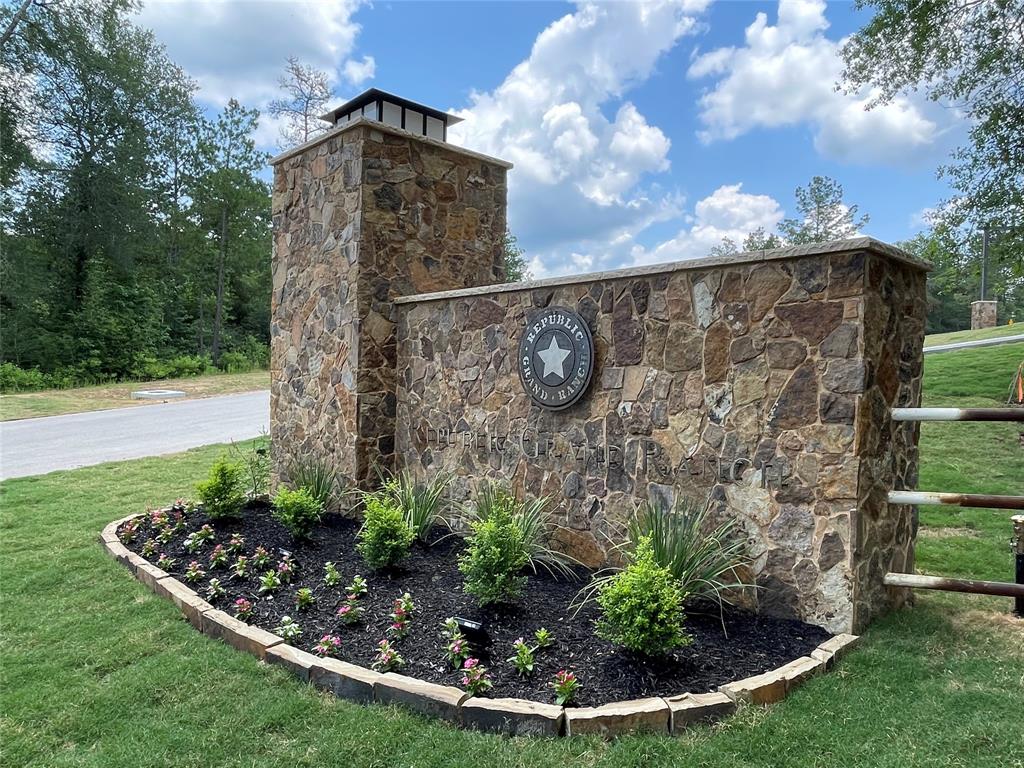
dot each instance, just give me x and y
(556, 358)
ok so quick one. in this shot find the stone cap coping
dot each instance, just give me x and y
(384, 128)
(688, 265)
(661, 714)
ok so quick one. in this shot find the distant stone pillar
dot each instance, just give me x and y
(983, 314)
(364, 214)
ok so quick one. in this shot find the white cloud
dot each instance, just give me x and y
(726, 212)
(239, 49)
(358, 72)
(579, 176)
(786, 74)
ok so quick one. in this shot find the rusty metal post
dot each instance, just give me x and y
(1018, 552)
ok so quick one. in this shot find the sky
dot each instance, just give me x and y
(640, 132)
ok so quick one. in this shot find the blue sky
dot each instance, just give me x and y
(640, 132)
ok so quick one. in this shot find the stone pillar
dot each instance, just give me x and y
(363, 214)
(983, 314)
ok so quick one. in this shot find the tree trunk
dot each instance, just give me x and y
(218, 315)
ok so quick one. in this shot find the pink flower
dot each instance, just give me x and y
(344, 609)
(470, 663)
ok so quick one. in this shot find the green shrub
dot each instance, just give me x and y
(384, 538)
(235, 362)
(222, 493)
(534, 523)
(701, 558)
(318, 478)
(494, 556)
(420, 504)
(297, 510)
(642, 607)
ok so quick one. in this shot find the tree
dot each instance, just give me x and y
(232, 203)
(969, 56)
(514, 260)
(758, 240)
(307, 93)
(823, 214)
(725, 248)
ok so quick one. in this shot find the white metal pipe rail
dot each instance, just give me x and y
(958, 414)
(983, 500)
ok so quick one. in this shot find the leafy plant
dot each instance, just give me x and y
(401, 617)
(222, 493)
(474, 677)
(288, 630)
(194, 572)
(328, 645)
(523, 658)
(149, 548)
(641, 607)
(304, 598)
(241, 567)
(261, 557)
(543, 637)
(298, 511)
(420, 504)
(350, 612)
(384, 538)
(332, 576)
(494, 556)
(387, 658)
(269, 582)
(254, 462)
(566, 686)
(197, 539)
(700, 562)
(318, 480)
(286, 569)
(456, 646)
(534, 523)
(165, 561)
(236, 543)
(219, 557)
(243, 609)
(215, 589)
(128, 531)
(357, 587)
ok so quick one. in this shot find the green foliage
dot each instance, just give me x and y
(385, 537)
(254, 457)
(318, 478)
(642, 607)
(421, 504)
(495, 555)
(759, 240)
(534, 523)
(222, 493)
(514, 260)
(823, 214)
(15, 379)
(136, 243)
(967, 56)
(298, 511)
(701, 558)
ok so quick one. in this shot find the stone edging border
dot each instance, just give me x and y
(514, 717)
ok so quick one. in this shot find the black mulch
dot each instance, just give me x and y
(750, 644)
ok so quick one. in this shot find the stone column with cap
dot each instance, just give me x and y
(377, 207)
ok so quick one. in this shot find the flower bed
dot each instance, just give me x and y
(747, 645)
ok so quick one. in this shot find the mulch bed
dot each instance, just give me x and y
(749, 643)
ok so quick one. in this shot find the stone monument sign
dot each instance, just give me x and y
(762, 381)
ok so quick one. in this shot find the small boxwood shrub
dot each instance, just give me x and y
(494, 556)
(385, 537)
(642, 607)
(223, 491)
(297, 510)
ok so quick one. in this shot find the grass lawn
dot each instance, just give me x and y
(985, 333)
(97, 671)
(52, 402)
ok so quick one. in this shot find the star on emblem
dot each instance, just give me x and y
(553, 358)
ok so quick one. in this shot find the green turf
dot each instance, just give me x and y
(983, 333)
(98, 672)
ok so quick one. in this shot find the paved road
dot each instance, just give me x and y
(36, 446)
(979, 343)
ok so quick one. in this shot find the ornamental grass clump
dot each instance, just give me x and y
(534, 523)
(298, 511)
(223, 491)
(494, 557)
(642, 607)
(317, 479)
(420, 504)
(385, 537)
